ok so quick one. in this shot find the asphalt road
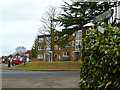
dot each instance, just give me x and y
(56, 79)
(3, 65)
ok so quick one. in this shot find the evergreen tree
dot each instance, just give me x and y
(77, 14)
(33, 52)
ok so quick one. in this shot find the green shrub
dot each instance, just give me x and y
(101, 59)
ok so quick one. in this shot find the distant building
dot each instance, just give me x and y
(27, 53)
(4, 59)
(10, 56)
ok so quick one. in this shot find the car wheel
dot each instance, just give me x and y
(13, 64)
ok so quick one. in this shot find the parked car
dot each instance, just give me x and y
(17, 60)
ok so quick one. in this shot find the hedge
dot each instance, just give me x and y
(101, 59)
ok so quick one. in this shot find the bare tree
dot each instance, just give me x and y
(21, 50)
(50, 26)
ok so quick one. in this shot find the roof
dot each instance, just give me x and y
(11, 55)
(17, 54)
(27, 52)
(4, 57)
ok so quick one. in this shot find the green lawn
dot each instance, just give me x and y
(50, 65)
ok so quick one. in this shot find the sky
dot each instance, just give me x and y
(20, 21)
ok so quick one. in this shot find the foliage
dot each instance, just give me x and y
(33, 52)
(101, 59)
(77, 14)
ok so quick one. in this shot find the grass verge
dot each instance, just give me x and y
(50, 65)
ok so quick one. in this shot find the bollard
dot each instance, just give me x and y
(9, 63)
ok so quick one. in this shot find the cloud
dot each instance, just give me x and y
(25, 9)
(21, 10)
(18, 33)
(20, 21)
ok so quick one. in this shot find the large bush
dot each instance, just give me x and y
(101, 59)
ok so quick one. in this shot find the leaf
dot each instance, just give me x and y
(106, 86)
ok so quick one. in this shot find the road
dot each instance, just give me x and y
(3, 65)
(52, 79)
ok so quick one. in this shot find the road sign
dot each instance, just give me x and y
(100, 29)
(103, 16)
(24, 58)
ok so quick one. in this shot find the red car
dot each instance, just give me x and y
(18, 60)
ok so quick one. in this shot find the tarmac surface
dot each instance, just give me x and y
(39, 79)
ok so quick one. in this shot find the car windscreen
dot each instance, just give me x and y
(20, 59)
(14, 59)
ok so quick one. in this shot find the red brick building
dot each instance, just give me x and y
(69, 53)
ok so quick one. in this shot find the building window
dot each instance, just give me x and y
(40, 47)
(19, 56)
(41, 39)
(77, 47)
(73, 43)
(88, 31)
(78, 39)
(47, 43)
(65, 54)
(59, 57)
(47, 46)
(79, 35)
(40, 56)
(77, 44)
(55, 56)
(48, 39)
(80, 42)
(72, 54)
(56, 47)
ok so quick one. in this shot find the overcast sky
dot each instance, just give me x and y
(20, 21)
